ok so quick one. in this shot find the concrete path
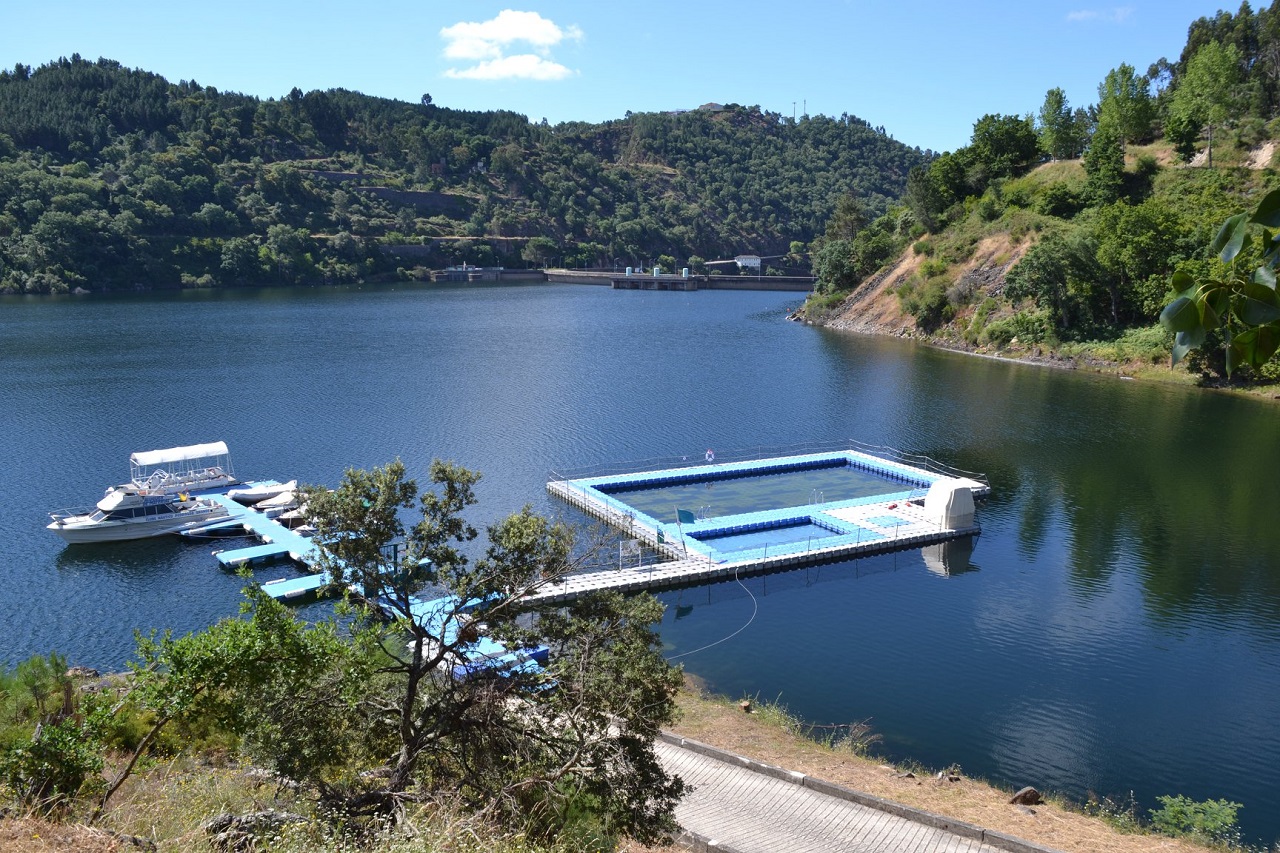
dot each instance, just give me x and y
(743, 806)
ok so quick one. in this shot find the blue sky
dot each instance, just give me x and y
(925, 70)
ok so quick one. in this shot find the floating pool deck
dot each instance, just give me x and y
(705, 549)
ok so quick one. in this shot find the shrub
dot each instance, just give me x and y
(1017, 197)
(1212, 820)
(1059, 200)
(989, 207)
(978, 321)
(927, 302)
(1028, 327)
(1251, 133)
(933, 267)
(923, 247)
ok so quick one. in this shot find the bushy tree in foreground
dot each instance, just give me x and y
(535, 746)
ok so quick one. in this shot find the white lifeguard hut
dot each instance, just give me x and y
(949, 503)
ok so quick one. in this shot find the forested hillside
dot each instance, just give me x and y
(1063, 230)
(116, 178)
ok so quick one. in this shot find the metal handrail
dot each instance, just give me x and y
(918, 460)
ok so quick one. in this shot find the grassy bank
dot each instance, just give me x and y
(170, 802)
(771, 735)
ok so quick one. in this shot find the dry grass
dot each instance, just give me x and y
(32, 835)
(724, 725)
(168, 803)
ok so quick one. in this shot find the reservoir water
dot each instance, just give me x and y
(1115, 628)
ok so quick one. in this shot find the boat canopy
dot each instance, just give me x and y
(149, 458)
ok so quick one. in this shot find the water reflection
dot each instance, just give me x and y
(1128, 597)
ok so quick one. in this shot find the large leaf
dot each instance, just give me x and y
(1265, 276)
(1180, 315)
(1183, 284)
(1231, 237)
(1214, 307)
(1236, 356)
(1187, 341)
(1257, 312)
(1268, 343)
(1268, 212)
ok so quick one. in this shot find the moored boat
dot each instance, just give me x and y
(255, 493)
(278, 505)
(134, 514)
(175, 470)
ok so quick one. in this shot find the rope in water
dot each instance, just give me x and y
(755, 608)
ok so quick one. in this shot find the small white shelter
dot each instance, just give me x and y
(949, 504)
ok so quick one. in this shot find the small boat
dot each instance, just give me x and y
(134, 514)
(254, 493)
(177, 470)
(279, 505)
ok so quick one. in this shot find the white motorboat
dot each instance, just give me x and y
(134, 514)
(254, 493)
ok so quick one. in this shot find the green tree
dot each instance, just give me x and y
(1056, 273)
(849, 218)
(540, 250)
(1004, 145)
(1134, 246)
(1059, 135)
(508, 743)
(1205, 94)
(1124, 100)
(1104, 164)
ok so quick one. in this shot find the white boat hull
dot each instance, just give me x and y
(259, 492)
(81, 529)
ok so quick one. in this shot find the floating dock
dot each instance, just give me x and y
(826, 507)
(279, 544)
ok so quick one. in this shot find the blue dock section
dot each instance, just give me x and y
(445, 618)
(279, 543)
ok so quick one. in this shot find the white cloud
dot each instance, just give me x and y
(524, 66)
(486, 43)
(1115, 15)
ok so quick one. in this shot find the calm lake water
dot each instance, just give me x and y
(1115, 628)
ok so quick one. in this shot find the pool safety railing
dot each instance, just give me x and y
(916, 460)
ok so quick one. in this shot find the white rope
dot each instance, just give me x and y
(755, 608)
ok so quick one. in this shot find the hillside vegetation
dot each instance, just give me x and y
(1061, 234)
(115, 178)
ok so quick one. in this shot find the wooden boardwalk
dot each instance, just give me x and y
(741, 806)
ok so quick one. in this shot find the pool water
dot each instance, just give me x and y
(786, 534)
(714, 498)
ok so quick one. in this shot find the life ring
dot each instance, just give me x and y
(711, 455)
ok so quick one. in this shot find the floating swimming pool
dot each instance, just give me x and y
(738, 489)
(728, 518)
